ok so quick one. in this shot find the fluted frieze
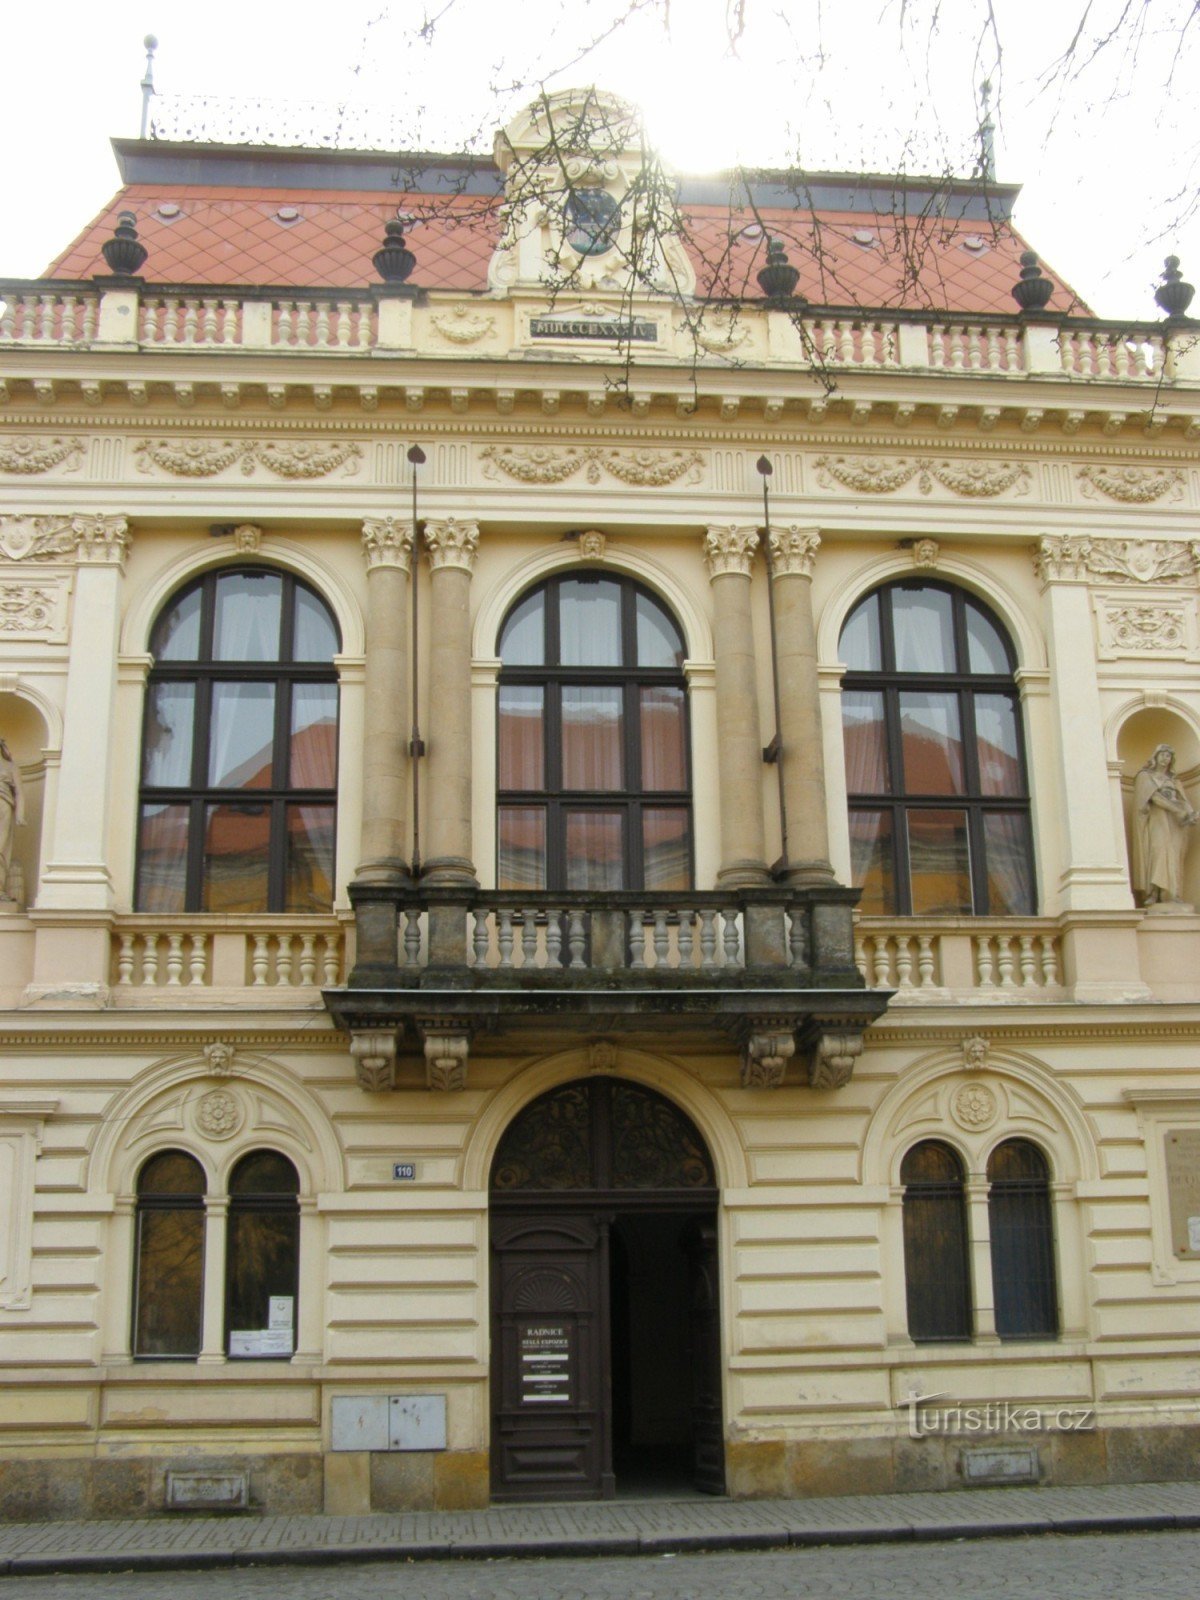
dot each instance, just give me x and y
(730, 547)
(387, 542)
(452, 543)
(794, 550)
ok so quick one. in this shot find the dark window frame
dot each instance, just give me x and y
(966, 686)
(156, 1202)
(249, 1203)
(928, 1262)
(1023, 1247)
(204, 672)
(630, 801)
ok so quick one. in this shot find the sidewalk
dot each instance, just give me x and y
(633, 1527)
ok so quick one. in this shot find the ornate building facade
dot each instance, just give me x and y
(527, 969)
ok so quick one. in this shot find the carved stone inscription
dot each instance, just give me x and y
(1183, 1191)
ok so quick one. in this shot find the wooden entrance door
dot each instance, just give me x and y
(570, 1164)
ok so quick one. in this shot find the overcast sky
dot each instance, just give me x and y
(1108, 163)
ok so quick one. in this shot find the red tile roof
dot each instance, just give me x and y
(234, 236)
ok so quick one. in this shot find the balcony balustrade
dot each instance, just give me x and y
(37, 316)
(186, 959)
(994, 959)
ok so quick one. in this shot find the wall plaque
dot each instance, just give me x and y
(1182, 1148)
(626, 330)
(545, 1363)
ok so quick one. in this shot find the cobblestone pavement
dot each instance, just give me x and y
(1142, 1566)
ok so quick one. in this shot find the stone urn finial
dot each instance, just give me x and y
(1173, 295)
(778, 279)
(1032, 289)
(124, 252)
(394, 261)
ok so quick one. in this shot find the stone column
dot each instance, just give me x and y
(387, 547)
(451, 545)
(729, 553)
(77, 876)
(802, 754)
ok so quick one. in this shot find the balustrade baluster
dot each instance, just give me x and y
(125, 960)
(505, 936)
(149, 321)
(198, 959)
(283, 960)
(662, 940)
(191, 310)
(798, 937)
(845, 332)
(91, 315)
(685, 937)
(1049, 962)
(708, 939)
(975, 348)
(925, 960)
(209, 330)
(344, 325)
(529, 937)
(322, 325)
(1028, 963)
(904, 962)
(308, 959)
(412, 936)
(174, 960)
(860, 956)
(883, 962)
(637, 940)
(1005, 960)
(554, 938)
(983, 960)
(259, 961)
(332, 964)
(731, 937)
(150, 959)
(480, 939)
(576, 938)
(995, 361)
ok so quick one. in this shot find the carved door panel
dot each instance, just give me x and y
(708, 1433)
(550, 1406)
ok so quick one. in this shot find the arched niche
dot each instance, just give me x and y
(1137, 738)
(23, 729)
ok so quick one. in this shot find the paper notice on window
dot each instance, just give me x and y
(281, 1312)
(1194, 1233)
(260, 1342)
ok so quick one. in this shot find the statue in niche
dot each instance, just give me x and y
(12, 816)
(1161, 819)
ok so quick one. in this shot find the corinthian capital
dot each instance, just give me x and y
(794, 550)
(452, 543)
(730, 547)
(387, 542)
(101, 541)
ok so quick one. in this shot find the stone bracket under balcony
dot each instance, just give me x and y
(772, 970)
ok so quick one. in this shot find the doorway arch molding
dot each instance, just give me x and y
(636, 1066)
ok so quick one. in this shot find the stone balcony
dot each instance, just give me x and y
(772, 970)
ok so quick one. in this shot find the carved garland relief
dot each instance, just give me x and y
(975, 480)
(545, 464)
(1131, 485)
(205, 458)
(28, 456)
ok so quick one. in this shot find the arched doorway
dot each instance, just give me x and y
(606, 1364)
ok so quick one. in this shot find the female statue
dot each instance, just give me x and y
(1161, 817)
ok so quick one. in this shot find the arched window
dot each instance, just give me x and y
(1022, 1234)
(593, 782)
(168, 1283)
(936, 1270)
(239, 749)
(262, 1257)
(935, 759)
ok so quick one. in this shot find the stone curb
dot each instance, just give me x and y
(44, 1564)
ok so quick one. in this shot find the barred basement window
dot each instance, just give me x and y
(262, 1257)
(936, 1270)
(239, 750)
(1022, 1232)
(593, 787)
(935, 757)
(169, 1258)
